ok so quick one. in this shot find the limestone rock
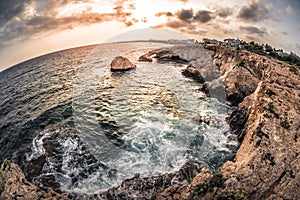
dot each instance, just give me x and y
(16, 186)
(120, 63)
(193, 73)
(162, 55)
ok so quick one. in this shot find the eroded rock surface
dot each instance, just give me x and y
(14, 185)
(120, 63)
(267, 164)
(192, 72)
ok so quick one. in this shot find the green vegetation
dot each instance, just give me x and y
(6, 163)
(270, 92)
(294, 69)
(241, 63)
(216, 181)
(2, 187)
(271, 107)
(267, 50)
(231, 195)
(285, 124)
(201, 188)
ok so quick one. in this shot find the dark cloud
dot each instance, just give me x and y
(185, 15)
(252, 30)
(253, 12)
(167, 14)
(224, 12)
(203, 16)
(10, 9)
(285, 33)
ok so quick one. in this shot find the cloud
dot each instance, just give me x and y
(167, 14)
(21, 20)
(223, 12)
(10, 9)
(252, 30)
(298, 46)
(175, 24)
(285, 33)
(253, 12)
(185, 15)
(290, 11)
(203, 16)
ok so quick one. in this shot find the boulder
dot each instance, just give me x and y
(120, 63)
(193, 73)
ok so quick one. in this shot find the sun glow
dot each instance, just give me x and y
(145, 12)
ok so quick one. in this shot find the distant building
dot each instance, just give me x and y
(232, 42)
(211, 41)
(187, 41)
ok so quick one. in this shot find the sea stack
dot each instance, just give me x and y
(120, 63)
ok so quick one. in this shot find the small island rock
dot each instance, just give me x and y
(120, 63)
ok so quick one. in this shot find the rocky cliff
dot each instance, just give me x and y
(267, 164)
(14, 185)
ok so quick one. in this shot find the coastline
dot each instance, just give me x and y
(266, 121)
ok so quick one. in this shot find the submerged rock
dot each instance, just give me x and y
(120, 63)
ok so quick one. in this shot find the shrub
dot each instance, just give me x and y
(201, 188)
(216, 181)
(285, 124)
(266, 115)
(6, 163)
(294, 69)
(2, 187)
(271, 107)
(270, 92)
(231, 195)
(241, 63)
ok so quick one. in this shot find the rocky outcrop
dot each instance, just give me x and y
(267, 164)
(162, 55)
(192, 72)
(148, 188)
(120, 63)
(14, 185)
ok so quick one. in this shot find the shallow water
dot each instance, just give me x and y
(97, 128)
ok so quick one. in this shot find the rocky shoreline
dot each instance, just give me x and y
(267, 164)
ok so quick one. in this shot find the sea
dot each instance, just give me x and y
(73, 125)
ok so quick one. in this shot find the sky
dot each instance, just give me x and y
(29, 28)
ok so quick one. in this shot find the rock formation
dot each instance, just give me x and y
(14, 185)
(120, 63)
(192, 72)
(267, 164)
(162, 55)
